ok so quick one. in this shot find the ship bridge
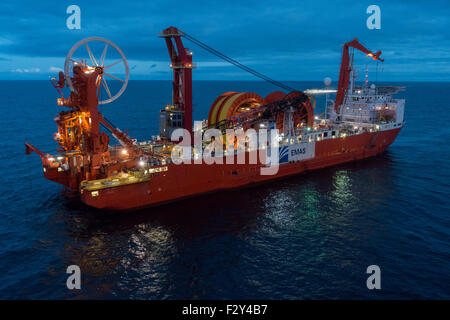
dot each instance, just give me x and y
(372, 105)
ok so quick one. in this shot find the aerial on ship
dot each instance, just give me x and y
(225, 151)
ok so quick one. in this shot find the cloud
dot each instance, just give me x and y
(55, 69)
(213, 64)
(32, 70)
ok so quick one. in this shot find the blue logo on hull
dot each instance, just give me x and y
(284, 154)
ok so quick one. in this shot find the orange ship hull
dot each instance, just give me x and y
(189, 180)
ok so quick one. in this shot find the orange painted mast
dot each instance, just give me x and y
(344, 73)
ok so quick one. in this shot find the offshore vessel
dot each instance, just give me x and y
(361, 122)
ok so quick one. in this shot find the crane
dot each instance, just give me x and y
(181, 63)
(344, 72)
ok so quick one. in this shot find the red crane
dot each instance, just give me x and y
(181, 63)
(344, 73)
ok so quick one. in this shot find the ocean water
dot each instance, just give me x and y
(310, 236)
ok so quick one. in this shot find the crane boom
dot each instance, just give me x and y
(344, 72)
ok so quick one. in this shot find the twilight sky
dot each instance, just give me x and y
(287, 40)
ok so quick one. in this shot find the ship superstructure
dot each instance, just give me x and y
(225, 151)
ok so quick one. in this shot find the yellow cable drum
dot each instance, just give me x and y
(232, 103)
(216, 105)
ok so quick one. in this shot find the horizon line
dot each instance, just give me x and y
(243, 80)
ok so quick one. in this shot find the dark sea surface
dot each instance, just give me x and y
(310, 236)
